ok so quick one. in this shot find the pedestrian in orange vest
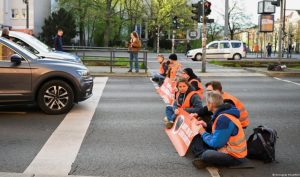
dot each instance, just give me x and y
(174, 67)
(194, 80)
(217, 86)
(185, 98)
(163, 68)
(226, 145)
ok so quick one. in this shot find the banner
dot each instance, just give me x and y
(167, 91)
(183, 132)
(266, 23)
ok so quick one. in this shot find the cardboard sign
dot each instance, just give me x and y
(166, 91)
(183, 132)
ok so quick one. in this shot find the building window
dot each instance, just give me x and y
(14, 13)
(23, 13)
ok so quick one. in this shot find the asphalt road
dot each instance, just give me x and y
(126, 137)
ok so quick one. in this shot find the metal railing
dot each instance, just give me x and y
(107, 52)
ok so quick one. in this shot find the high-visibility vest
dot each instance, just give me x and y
(236, 146)
(244, 119)
(186, 101)
(174, 70)
(201, 90)
(161, 68)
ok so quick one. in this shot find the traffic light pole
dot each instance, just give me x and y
(281, 31)
(203, 42)
(173, 41)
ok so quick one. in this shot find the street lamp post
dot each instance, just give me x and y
(27, 13)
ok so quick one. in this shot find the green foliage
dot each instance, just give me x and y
(60, 19)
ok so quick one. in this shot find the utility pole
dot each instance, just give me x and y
(158, 36)
(226, 19)
(282, 18)
(173, 41)
(27, 13)
(203, 39)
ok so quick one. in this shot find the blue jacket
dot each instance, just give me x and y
(224, 127)
(58, 43)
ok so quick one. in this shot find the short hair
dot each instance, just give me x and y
(216, 85)
(59, 29)
(182, 80)
(214, 98)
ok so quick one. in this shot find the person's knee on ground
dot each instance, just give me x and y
(214, 157)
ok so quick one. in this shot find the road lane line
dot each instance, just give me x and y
(286, 81)
(213, 171)
(60, 150)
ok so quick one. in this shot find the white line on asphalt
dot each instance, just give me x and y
(60, 151)
(287, 81)
(214, 172)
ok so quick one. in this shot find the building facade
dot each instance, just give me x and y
(13, 14)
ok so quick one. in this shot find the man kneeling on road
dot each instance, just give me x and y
(226, 145)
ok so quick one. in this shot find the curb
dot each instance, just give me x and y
(98, 74)
(275, 73)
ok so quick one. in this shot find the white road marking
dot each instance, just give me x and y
(287, 81)
(214, 172)
(60, 151)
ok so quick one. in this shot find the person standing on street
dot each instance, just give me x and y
(269, 49)
(5, 33)
(134, 46)
(58, 40)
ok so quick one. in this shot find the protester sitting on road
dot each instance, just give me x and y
(216, 86)
(226, 145)
(163, 68)
(174, 67)
(194, 80)
(185, 98)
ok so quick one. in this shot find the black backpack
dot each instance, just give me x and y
(261, 144)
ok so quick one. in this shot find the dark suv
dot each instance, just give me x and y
(55, 85)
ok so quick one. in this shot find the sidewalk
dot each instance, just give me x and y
(286, 73)
(2, 174)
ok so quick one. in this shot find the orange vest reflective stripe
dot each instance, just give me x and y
(174, 70)
(236, 146)
(161, 68)
(186, 101)
(244, 119)
(201, 90)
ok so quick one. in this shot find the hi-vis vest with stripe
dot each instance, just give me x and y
(174, 70)
(244, 119)
(201, 90)
(186, 101)
(236, 146)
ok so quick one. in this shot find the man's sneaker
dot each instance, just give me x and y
(169, 124)
(165, 120)
(130, 71)
(198, 163)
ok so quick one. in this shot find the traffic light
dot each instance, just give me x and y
(175, 22)
(276, 3)
(207, 9)
(197, 10)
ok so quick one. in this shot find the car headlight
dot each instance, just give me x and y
(83, 72)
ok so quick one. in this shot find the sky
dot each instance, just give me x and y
(250, 7)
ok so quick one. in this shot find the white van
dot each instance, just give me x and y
(220, 49)
(39, 48)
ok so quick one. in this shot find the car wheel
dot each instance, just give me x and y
(237, 56)
(56, 97)
(198, 57)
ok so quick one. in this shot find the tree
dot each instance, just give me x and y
(238, 20)
(214, 31)
(60, 19)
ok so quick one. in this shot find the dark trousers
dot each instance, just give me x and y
(208, 155)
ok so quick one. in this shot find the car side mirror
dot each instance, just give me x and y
(16, 59)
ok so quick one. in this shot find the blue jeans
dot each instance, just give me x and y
(170, 113)
(134, 56)
(211, 156)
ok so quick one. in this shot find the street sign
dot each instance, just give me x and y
(193, 34)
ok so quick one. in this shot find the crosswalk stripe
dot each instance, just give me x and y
(60, 151)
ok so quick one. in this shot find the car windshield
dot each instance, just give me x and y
(37, 42)
(25, 51)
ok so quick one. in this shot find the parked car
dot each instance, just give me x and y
(39, 48)
(54, 85)
(219, 49)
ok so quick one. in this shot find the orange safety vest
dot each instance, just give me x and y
(174, 70)
(201, 90)
(236, 146)
(244, 119)
(161, 68)
(186, 101)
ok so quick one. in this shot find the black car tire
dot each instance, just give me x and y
(198, 57)
(56, 97)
